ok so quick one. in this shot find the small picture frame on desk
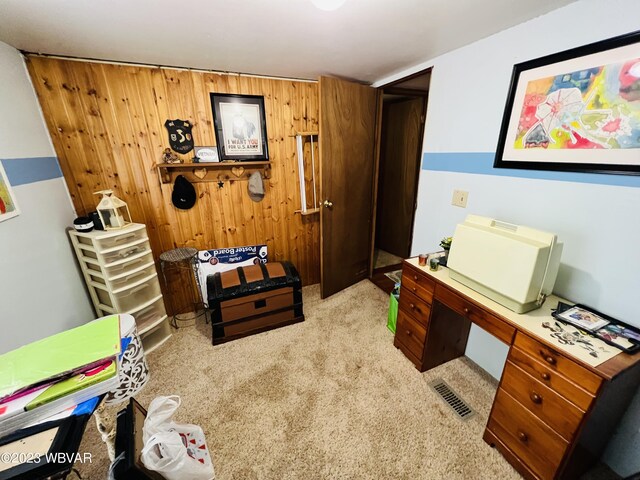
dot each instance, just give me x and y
(611, 331)
(619, 336)
(582, 318)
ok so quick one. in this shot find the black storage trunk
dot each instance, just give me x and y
(253, 299)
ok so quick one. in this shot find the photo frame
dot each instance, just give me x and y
(608, 329)
(577, 110)
(8, 205)
(206, 155)
(240, 126)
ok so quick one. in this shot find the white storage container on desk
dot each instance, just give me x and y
(121, 276)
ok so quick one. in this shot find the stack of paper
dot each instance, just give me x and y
(47, 377)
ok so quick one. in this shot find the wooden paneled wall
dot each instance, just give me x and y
(107, 126)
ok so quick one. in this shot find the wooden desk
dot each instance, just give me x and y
(553, 413)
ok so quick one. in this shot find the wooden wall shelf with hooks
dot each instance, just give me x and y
(212, 171)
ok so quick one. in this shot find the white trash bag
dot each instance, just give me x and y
(177, 451)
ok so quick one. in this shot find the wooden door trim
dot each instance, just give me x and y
(409, 92)
(389, 88)
(408, 77)
(376, 171)
(322, 193)
(419, 154)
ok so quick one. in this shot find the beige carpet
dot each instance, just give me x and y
(327, 398)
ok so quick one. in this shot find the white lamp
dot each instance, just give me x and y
(113, 212)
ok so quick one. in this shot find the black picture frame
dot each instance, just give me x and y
(240, 126)
(565, 71)
(603, 333)
(66, 443)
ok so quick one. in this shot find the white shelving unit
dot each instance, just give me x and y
(121, 276)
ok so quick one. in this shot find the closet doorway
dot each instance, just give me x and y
(404, 108)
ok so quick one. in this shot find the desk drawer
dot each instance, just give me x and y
(557, 412)
(414, 306)
(492, 324)
(528, 437)
(556, 362)
(552, 379)
(418, 283)
(410, 334)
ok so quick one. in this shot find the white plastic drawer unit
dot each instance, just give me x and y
(120, 272)
(156, 337)
(116, 282)
(116, 255)
(129, 298)
(150, 316)
(109, 239)
(130, 238)
(119, 269)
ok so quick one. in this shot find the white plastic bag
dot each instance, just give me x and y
(175, 450)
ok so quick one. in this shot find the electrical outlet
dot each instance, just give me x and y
(459, 198)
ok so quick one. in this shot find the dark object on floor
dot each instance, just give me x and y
(128, 465)
(253, 299)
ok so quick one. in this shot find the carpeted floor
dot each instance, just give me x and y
(327, 398)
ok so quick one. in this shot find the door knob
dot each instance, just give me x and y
(327, 204)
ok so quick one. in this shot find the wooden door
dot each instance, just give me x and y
(347, 143)
(399, 165)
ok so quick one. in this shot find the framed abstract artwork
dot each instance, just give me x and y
(577, 110)
(8, 206)
(240, 125)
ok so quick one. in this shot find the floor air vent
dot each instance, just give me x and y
(452, 399)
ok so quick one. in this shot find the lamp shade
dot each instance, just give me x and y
(133, 372)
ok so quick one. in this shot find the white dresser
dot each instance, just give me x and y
(120, 273)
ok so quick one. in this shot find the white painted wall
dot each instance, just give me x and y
(600, 224)
(41, 291)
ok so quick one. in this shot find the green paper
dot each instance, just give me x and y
(71, 385)
(60, 354)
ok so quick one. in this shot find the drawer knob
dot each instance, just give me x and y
(523, 436)
(535, 398)
(413, 288)
(412, 306)
(546, 376)
(548, 358)
(415, 277)
(408, 333)
(466, 310)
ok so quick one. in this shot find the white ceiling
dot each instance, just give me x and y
(364, 39)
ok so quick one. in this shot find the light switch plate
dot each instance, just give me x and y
(459, 198)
